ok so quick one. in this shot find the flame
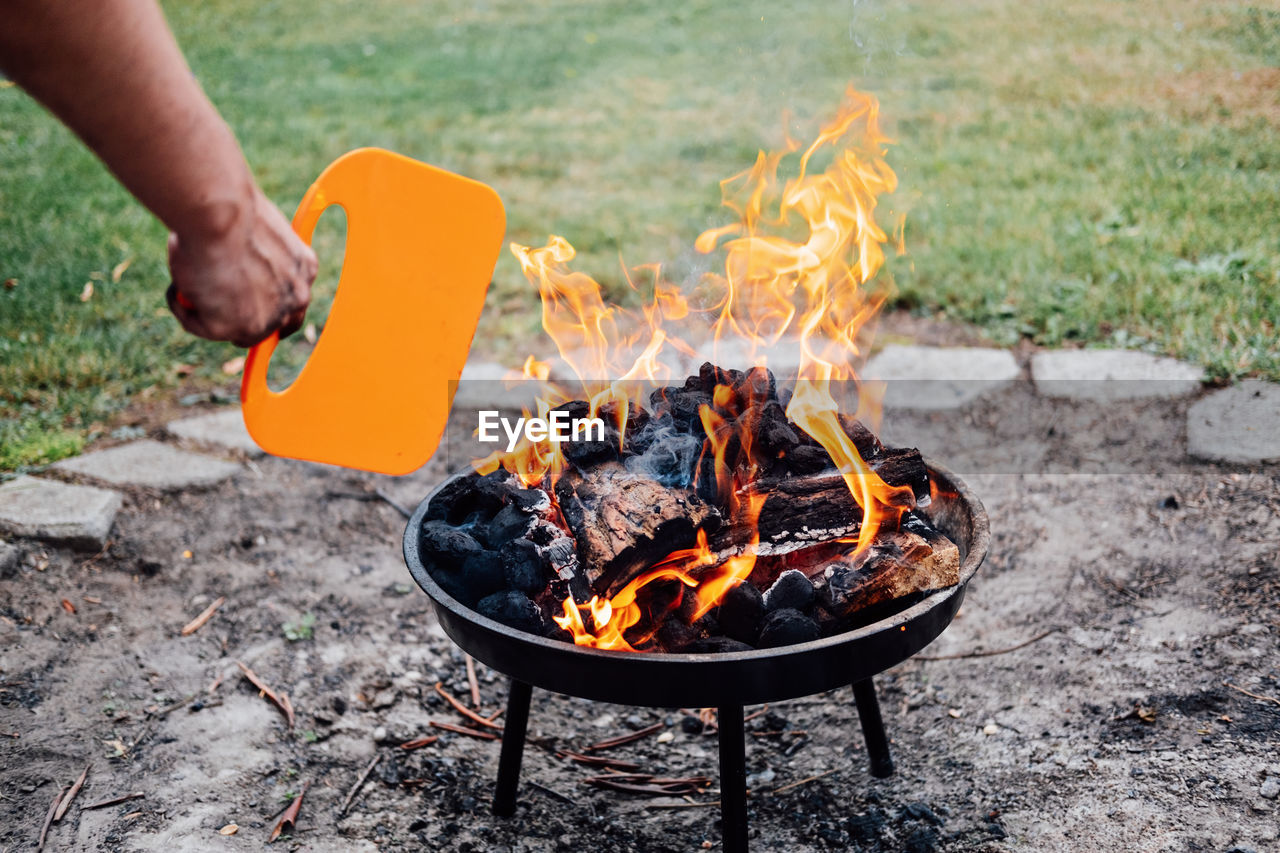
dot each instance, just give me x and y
(799, 262)
(613, 617)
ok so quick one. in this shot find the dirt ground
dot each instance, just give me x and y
(1128, 727)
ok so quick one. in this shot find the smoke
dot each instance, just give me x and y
(665, 454)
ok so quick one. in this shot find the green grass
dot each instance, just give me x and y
(1099, 172)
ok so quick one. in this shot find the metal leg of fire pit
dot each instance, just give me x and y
(733, 779)
(513, 731)
(864, 693)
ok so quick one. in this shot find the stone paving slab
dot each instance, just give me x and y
(1237, 424)
(931, 378)
(219, 429)
(150, 464)
(79, 516)
(1105, 375)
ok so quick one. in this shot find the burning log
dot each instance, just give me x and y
(624, 523)
(899, 565)
(803, 510)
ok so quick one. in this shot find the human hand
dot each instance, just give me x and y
(243, 281)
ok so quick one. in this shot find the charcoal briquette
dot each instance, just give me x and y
(675, 634)
(456, 587)
(741, 611)
(685, 408)
(659, 399)
(586, 453)
(511, 523)
(708, 486)
(779, 437)
(513, 609)
(713, 645)
(637, 418)
(452, 502)
(531, 500)
(493, 490)
(574, 408)
(807, 459)
(482, 572)
(786, 627)
(793, 590)
(446, 545)
(757, 385)
(523, 566)
(709, 376)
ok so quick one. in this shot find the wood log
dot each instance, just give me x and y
(915, 558)
(624, 523)
(801, 511)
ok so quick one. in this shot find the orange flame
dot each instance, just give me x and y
(798, 265)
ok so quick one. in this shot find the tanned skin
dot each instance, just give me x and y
(112, 71)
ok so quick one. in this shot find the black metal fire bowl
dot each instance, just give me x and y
(732, 678)
(727, 681)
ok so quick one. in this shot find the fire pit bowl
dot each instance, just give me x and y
(726, 680)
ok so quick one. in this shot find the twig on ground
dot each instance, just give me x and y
(205, 615)
(682, 805)
(804, 781)
(986, 654)
(553, 792)
(355, 789)
(749, 717)
(169, 709)
(13, 735)
(598, 760)
(624, 739)
(464, 710)
(649, 778)
(290, 815)
(659, 788)
(462, 730)
(473, 682)
(71, 795)
(393, 503)
(419, 742)
(280, 700)
(48, 818)
(113, 801)
(1251, 694)
(89, 562)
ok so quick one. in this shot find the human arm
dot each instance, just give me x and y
(112, 71)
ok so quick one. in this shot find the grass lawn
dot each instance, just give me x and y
(1094, 172)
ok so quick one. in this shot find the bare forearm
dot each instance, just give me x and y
(110, 70)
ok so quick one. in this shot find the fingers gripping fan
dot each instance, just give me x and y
(376, 391)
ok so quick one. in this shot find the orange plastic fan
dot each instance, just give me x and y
(376, 390)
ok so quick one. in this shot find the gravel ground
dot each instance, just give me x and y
(1127, 727)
